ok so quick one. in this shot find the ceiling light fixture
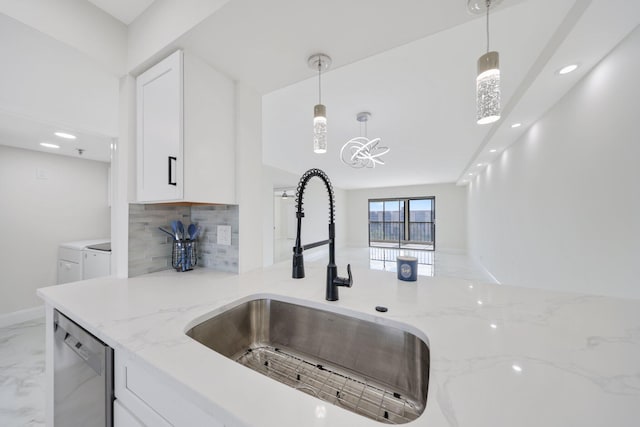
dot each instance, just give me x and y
(64, 135)
(516, 125)
(568, 69)
(49, 145)
(361, 151)
(493, 150)
(319, 62)
(488, 79)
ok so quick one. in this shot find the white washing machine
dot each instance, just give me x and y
(70, 259)
(96, 260)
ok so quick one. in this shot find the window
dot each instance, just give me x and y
(406, 222)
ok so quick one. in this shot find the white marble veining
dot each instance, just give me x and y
(500, 356)
(22, 379)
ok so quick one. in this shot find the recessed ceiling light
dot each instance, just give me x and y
(516, 125)
(479, 164)
(49, 145)
(516, 368)
(567, 69)
(493, 150)
(493, 326)
(470, 174)
(65, 135)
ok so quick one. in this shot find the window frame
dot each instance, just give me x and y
(406, 222)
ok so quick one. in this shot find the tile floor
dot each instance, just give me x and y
(22, 378)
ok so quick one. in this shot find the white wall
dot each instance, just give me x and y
(451, 213)
(248, 176)
(46, 80)
(76, 23)
(560, 208)
(38, 214)
(151, 34)
(123, 177)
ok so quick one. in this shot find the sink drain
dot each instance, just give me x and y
(331, 384)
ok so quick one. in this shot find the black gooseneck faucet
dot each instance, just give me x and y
(333, 281)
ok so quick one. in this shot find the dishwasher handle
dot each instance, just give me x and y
(93, 359)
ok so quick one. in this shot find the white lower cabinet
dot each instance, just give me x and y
(144, 400)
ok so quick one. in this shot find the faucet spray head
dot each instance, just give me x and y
(298, 264)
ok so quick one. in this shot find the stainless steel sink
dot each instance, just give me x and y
(375, 370)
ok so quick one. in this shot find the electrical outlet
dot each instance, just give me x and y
(224, 235)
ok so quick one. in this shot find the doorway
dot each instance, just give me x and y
(284, 224)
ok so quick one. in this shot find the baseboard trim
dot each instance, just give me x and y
(20, 316)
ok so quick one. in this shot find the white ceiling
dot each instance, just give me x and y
(24, 132)
(412, 64)
(421, 96)
(125, 11)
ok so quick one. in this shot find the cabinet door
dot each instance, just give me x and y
(159, 131)
(152, 399)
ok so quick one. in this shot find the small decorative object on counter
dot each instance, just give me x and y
(407, 268)
(184, 254)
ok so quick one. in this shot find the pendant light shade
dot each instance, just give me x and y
(488, 88)
(320, 129)
(319, 62)
(488, 79)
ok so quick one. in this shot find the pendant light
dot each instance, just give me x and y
(488, 80)
(319, 62)
(361, 152)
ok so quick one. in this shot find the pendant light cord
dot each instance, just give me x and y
(319, 81)
(363, 123)
(488, 6)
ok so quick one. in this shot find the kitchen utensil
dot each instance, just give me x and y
(181, 229)
(196, 233)
(181, 232)
(173, 236)
(191, 231)
(174, 227)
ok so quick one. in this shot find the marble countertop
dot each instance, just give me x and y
(500, 356)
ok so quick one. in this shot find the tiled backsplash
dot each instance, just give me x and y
(150, 249)
(220, 257)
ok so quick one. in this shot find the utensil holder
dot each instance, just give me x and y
(184, 255)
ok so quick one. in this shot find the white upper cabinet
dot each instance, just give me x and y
(159, 131)
(185, 132)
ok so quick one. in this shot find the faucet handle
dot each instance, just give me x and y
(342, 281)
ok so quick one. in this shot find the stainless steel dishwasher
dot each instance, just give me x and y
(83, 377)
